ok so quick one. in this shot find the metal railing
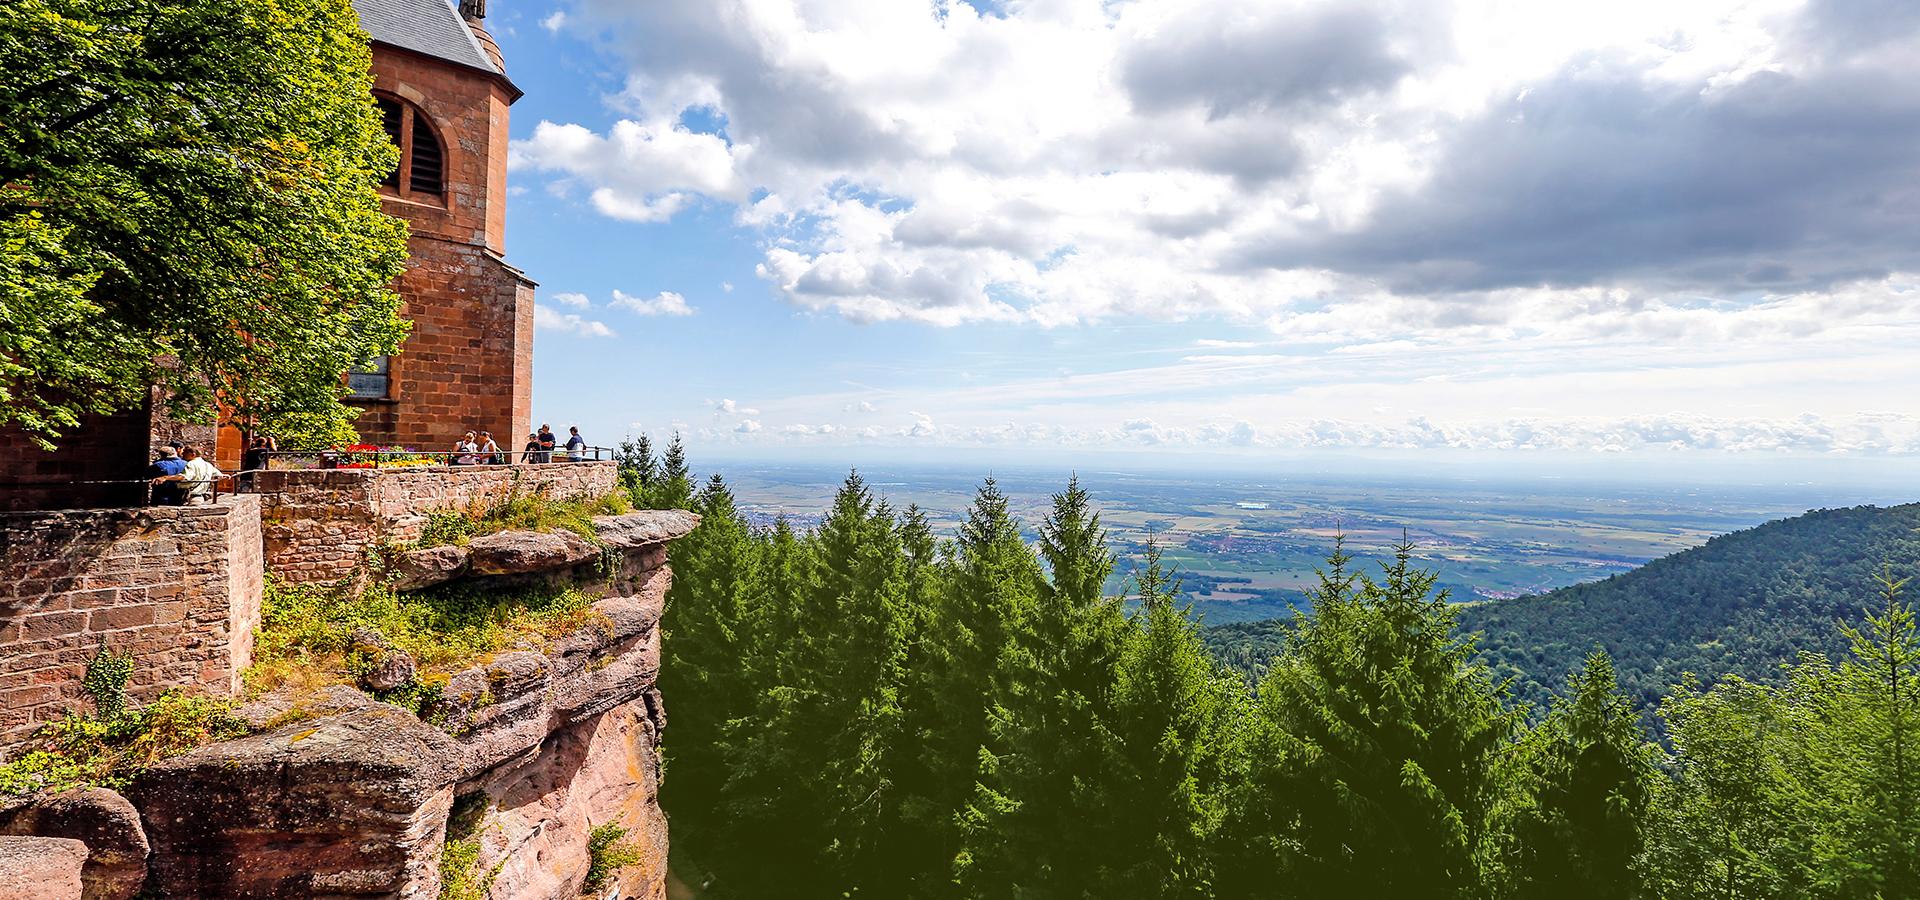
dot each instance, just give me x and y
(138, 491)
(284, 460)
(107, 492)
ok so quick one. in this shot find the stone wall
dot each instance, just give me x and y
(319, 523)
(178, 587)
(469, 362)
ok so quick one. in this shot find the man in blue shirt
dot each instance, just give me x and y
(164, 474)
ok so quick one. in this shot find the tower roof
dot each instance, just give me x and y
(429, 27)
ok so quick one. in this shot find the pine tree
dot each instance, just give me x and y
(989, 582)
(1583, 777)
(638, 469)
(673, 489)
(831, 711)
(1379, 744)
(1880, 826)
(1029, 825)
(1173, 742)
(1724, 825)
(708, 635)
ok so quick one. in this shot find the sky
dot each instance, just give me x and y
(1673, 236)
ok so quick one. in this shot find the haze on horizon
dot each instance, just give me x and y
(1632, 236)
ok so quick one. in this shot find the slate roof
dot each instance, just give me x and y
(431, 27)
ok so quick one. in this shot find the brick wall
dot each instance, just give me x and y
(318, 523)
(178, 587)
(469, 362)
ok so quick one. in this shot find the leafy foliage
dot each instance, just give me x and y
(189, 198)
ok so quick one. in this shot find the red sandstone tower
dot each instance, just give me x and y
(443, 89)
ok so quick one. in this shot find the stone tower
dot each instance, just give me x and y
(443, 90)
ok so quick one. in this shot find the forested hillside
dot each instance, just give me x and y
(863, 709)
(1745, 603)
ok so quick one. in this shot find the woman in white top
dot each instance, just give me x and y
(464, 450)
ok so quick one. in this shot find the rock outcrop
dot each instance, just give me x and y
(40, 868)
(416, 569)
(351, 797)
(639, 536)
(351, 804)
(518, 552)
(116, 863)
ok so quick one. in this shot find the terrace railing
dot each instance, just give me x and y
(282, 460)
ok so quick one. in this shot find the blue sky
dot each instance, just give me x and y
(1225, 232)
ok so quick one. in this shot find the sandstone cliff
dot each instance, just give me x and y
(495, 789)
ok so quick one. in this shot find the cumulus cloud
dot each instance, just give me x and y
(747, 427)
(547, 318)
(665, 303)
(1375, 169)
(732, 408)
(577, 301)
(555, 22)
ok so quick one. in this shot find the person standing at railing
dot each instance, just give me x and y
(464, 450)
(165, 474)
(576, 445)
(257, 452)
(199, 477)
(531, 451)
(490, 453)
(546, 444)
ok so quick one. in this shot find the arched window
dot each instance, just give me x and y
(422, 169)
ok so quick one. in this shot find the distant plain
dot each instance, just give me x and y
(1246, 546)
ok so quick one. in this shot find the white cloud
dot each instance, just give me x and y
(555, 22)
(1312, 166)
(665, 303)
(642, 172)
(747, 427)
(726, 287)
(547, 318)
(732, 408)
(577, 301)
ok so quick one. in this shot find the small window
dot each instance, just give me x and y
(422, 169)
(371, 381)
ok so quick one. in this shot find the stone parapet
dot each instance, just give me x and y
(177, 587)
(319, 523)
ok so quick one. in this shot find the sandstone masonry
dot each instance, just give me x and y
(178, 587)
(318, 524)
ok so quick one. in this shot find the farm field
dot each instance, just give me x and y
(1247, 546)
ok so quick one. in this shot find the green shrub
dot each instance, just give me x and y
(458, 878)
(106, 681)
(519, 512)
(608, 852)
(305, 638)
(111, 750)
